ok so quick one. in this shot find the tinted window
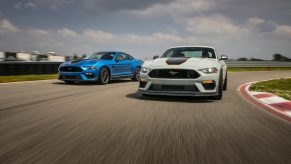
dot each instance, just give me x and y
(126, 56)
(130, 57)
(189, 52)
(102, 56)
(122, 57)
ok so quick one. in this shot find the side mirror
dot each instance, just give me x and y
(155, 57)
(223, 57)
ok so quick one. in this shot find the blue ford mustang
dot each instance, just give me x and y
(101, 67)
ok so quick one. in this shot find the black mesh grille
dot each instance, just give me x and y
(70, 69)
(70, 77)
(174, 74)
(210, 86)
(156, 87)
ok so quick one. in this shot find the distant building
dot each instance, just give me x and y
(2, 56)
(51, 56)
(15, 56)
(23, 56)
(35, 56)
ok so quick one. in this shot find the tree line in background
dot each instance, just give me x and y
(76, 57)
(276, 57)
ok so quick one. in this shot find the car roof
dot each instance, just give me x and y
(112, 51)
(193, 46)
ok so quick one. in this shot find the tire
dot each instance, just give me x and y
(220, 88)
(104, 76)
(136, 74)
(69, 82)
(225, 83)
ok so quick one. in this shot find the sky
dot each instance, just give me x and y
(237, 28)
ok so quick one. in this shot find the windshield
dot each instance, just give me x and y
(189, 52)
(102, 56)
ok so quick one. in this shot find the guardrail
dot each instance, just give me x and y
(234, 64)
(28, 68)
(37, 68)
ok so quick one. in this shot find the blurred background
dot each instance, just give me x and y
(64, 30)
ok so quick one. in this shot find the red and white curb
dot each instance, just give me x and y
(268, 101)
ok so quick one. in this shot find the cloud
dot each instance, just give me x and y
(260, 25)
(175, 8)
(95, 6)
(91, 6)
(216, 24)
(7, 26)
(152, 39)
(38, 32)
(35, 4)
(283, 30)
(65, 32)
(68, 41)
(22, 5)
(267, 27)
(97, 35)
(253, 37)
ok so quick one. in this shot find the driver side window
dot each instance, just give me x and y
(121, 57)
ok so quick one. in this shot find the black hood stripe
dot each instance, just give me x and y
(176, 61)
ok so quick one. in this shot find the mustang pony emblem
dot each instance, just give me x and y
(173, 73)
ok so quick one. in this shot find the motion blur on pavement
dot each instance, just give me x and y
(46, 120)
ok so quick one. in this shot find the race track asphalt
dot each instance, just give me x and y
(51, 122)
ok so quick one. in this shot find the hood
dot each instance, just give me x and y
(185, 63)
(81, 62)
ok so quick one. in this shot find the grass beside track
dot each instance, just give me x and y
(6, 79)
(280, 87)
(241, 69)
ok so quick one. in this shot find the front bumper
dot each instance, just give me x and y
(78, 76)
(179, 87)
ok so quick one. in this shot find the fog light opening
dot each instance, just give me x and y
(142, 83)
(88, 74)
(208, 81)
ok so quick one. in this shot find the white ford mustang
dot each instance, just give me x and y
(185, 71)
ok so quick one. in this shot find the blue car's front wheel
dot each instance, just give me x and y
(104, 76)
(136, 76)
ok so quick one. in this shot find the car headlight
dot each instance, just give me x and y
(209, 70)
(145, 70)
(90, 67)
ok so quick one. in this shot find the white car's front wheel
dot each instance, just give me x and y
(225, 83)
(220, 88)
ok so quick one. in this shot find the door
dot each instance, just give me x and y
(121, 66)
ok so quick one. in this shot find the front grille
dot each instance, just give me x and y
(156, 87)
(70, 77)
(174, 74)
(90, 76)
(71, 69)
